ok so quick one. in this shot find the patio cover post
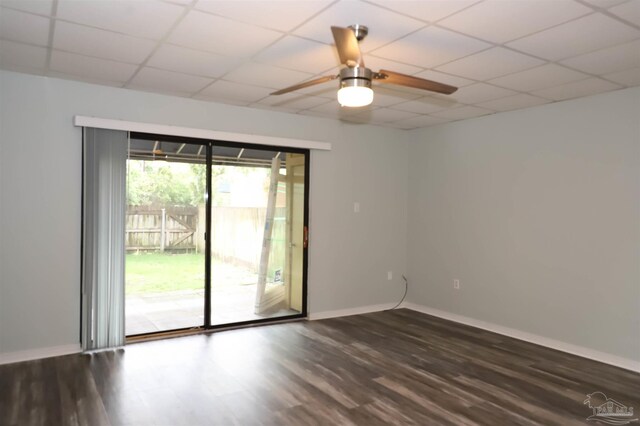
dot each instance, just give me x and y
(266, 238)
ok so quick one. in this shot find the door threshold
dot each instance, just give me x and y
(160, 335)
(157, 335)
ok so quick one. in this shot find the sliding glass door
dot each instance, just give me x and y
(215, 234)
(165, 261)
(257, 234)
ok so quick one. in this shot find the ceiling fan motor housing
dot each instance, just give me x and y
(360, 31)
(355, 77)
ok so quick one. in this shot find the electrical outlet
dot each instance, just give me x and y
(456, 284)
(389, 275)
(356, 207)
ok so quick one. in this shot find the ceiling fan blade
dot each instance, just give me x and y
(305, 84)
(347, 45)
(415, 82)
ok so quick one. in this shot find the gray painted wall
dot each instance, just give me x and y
(40, 178)
(537, 213)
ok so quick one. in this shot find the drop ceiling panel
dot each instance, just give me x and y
(180, 2)
(500, 21)
(521, 100)
(428, 104)
(608, 60)
(462, 112)
(326, 90)
(298, 54)
(24, 27)
(215, 34)
(93, 68)
(100, 43)
(377, 64)
(168, 81)
(629, 11)
(480, 92)
(360, 118)
(39, 7)
(266, 75)
(441, 77)
(431, 47)
(501, 54)
(282, 15)
(605, 3)
(230, 91)
(629, 77)
(384, 25)
(189, 61)
(143, 18)
(385, 95)
(577, 37)
(424, 105)
(538, 78)
(491, 63)
(587, 87)
(428, 11)
(18, 55)
(293, 101)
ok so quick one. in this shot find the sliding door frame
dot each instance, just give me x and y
(209, 144)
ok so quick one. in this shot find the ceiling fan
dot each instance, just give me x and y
(355, 79)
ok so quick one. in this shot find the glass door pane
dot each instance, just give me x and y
(165, 222)
(257, 234)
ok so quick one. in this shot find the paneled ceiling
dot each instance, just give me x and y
(503, 54)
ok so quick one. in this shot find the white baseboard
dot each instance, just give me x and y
(31, 354)
(627, 364)
(350, 311)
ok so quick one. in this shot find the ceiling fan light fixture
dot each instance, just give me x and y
(355, 96)
(355, 87)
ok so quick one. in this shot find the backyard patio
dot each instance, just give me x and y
(166, 292)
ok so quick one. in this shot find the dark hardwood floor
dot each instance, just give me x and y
(395, 367)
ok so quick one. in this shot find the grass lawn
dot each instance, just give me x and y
(157, 272)
(162, 272)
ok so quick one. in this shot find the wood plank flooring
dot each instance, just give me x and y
(394, 367)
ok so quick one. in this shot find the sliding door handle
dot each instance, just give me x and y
(305, 241)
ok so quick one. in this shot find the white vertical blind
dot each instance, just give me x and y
(103, 254)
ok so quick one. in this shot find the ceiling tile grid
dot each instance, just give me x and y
(17, 56)
(168, 81)
(94, 68)
(143, 18)
(516, 18)
(501, 54)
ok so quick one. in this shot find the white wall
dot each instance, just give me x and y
(537, 213)
(40, 178)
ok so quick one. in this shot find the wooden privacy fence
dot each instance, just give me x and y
(236, 233)
(171, 229)
(237, 236)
